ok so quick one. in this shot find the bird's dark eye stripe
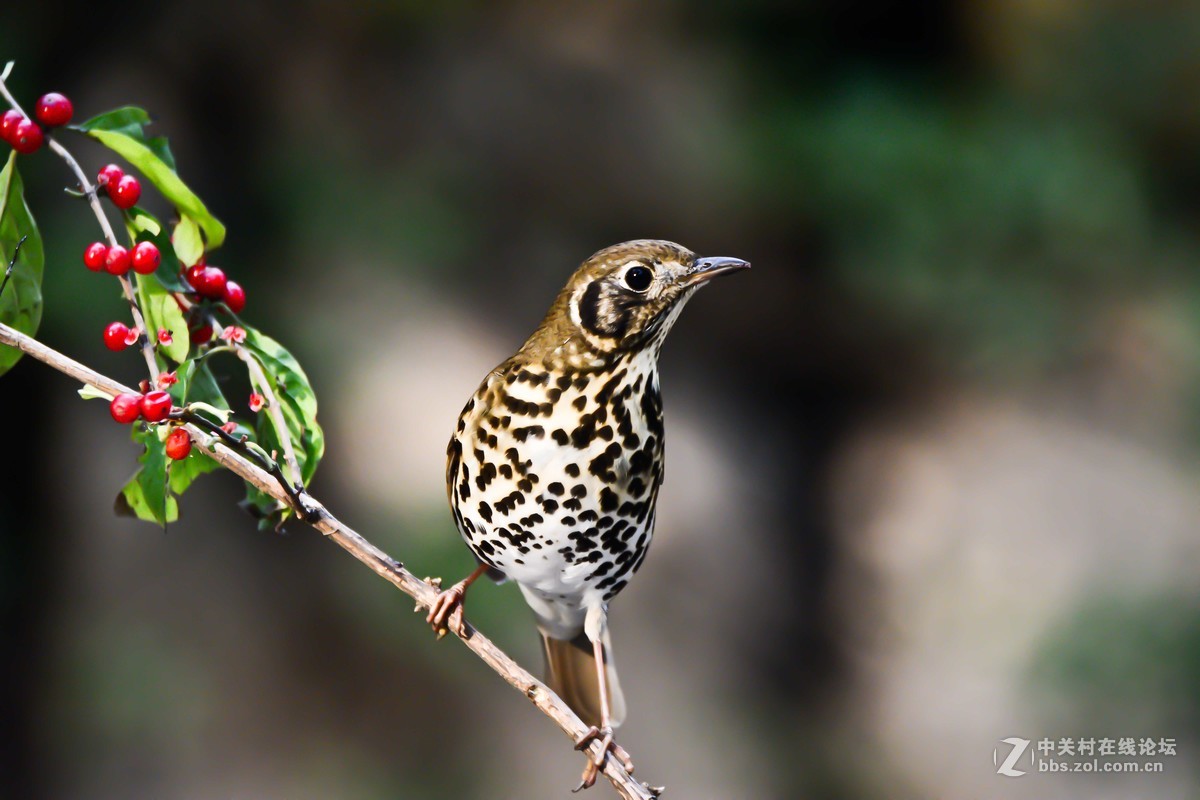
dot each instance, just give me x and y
(638, 278)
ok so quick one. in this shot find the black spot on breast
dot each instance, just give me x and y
(560, 436)
(602, 465)
(568, 520)
(579, 490)
(580, 402)
(549, 506)
(486, 475)
(572, 470)
(485, 511)
(587, 516)
(556, 488)
(608, 500)
(563, 381)
(506, 471)
(521, 434)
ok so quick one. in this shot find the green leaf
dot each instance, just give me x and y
(297, 401)
(197, 385)
(222, 414)
(89, 392)
(189, 247)
(184, 472)
(146, 495)
(21, 303)
(143, 227)
(298, 404)
(123, 131)
(163, 313)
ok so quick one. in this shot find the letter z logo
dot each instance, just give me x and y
(1019, 746)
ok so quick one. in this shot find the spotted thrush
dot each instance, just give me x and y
(555, 466)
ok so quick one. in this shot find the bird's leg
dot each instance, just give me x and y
(449, 599)
(604, 733)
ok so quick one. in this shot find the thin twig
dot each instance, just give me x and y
(12, 262)
(379, 562)
(89, 191)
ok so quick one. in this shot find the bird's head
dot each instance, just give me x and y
(626, 297)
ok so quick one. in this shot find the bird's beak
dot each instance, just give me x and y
(705, 269)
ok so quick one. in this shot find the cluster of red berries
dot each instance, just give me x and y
(117, 260)
(124, 190)
(153, 406)
(211, 283)
(23, 134)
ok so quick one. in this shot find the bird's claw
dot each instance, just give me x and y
(446, 609)
(596, 762)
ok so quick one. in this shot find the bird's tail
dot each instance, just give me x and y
(571, 674)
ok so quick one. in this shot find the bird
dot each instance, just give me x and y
(554, 468)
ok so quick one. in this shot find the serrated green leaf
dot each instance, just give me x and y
(189, 247)
(123, 131)
(21, 303)
(89, 392)
(146, 495)
(163, 313)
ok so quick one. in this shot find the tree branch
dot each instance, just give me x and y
(375, 559)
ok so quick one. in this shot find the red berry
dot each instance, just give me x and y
(114, 336)
(146, 258)
(54, 109)
(202, 334)
(235, 297)
(126, 193)
(109, 177)
(179, 444)
(212, 283)
(156, 406)
(192, 275)
(26, 137)
(125, 408)
(8, 124)
(94, 257)
(117, 261)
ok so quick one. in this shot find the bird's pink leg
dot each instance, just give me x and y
(604, 733)
(443, 607)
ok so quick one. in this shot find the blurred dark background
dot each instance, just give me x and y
(932, 473)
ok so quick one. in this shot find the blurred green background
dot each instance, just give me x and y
(932, 473)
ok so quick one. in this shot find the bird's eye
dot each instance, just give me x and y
(638, 278)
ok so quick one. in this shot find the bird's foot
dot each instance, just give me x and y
(595, 763)
(447, 608)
